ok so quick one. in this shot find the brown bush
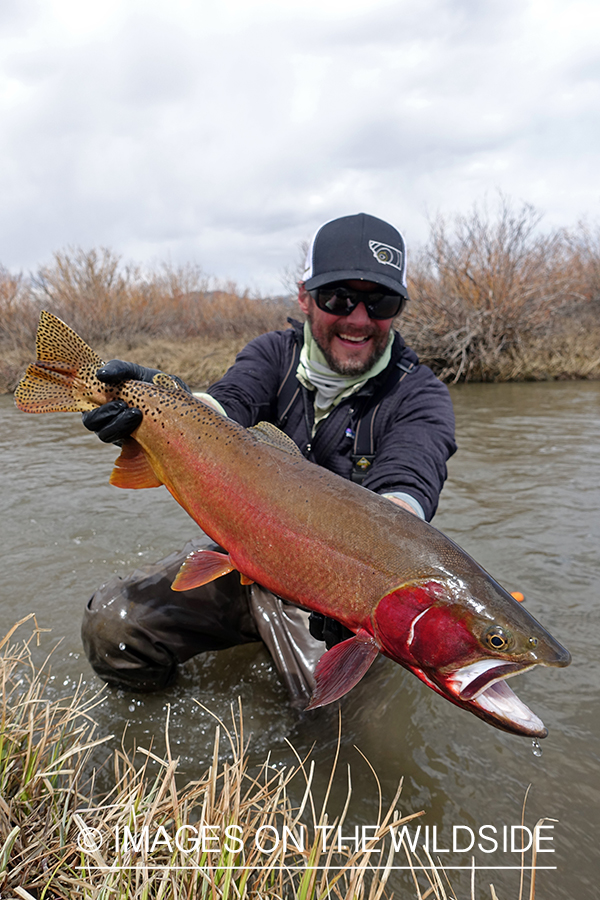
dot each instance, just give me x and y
(583, 260)
(486, 288)
(109, 303)
(104, 300)
(18, 317)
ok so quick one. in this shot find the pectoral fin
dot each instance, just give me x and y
(342, 667)
(132, 469)
(201, 567)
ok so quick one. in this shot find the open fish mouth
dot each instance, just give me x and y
(482, 686)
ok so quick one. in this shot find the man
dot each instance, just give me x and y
(352, 396)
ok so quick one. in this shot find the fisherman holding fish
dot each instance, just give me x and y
(353, 398)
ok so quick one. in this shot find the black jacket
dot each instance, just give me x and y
(413, 428)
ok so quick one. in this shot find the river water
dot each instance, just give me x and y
(523, 497)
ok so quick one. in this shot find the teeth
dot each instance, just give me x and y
(356, 340)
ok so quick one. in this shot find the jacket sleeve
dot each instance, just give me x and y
(248, 390)
(415, 439)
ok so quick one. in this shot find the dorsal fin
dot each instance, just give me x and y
(270, 434)
(167, 381)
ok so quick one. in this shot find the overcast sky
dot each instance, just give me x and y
(225, 132)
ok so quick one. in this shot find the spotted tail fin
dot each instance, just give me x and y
(63, 378)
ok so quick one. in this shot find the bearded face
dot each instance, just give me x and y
(350, 344)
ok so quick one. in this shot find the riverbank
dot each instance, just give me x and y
(570, 355)
(198, 361)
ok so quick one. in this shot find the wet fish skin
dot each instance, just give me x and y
(314, 539)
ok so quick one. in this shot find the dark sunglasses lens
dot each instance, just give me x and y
(341, 301)
(386, 307)
(338, 302)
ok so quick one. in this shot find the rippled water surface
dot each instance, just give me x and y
(523, 498)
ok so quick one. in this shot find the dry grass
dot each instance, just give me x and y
(199, 361)
(61, 838)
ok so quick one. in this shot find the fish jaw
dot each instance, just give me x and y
(437, 631)
(494, 703)
(481, 688)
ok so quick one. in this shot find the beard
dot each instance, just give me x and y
(343, 360)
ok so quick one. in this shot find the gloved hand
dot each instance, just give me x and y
(116, 370)
(329, 630)
(114, 421)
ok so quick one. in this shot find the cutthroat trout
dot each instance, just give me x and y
(313, 538)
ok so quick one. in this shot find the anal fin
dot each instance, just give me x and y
(201, 567)
(342, 667)
(132, 468)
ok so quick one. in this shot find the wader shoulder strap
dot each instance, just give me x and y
(364, 440)
(289, 388)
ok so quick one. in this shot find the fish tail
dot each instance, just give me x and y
(63, 378)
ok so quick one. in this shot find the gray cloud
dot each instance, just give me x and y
(225, 136)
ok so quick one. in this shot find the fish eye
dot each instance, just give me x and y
(497, 638)
(533, 642)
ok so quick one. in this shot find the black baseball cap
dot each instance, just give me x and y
(357, 247)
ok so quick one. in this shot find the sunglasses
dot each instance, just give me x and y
(341, 301)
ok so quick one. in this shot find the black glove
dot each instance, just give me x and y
(118, 370)
(114, 421)
(328, 630)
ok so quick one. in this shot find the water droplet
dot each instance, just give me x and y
(122, 646)
(132, 707)
(535, 747)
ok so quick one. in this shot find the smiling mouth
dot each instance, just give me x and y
(353, 339)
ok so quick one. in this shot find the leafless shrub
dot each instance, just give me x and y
(483, 286)
(103, 299)
(583, 260)
(18, 317)
(112, 304)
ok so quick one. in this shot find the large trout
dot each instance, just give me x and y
(313, 538)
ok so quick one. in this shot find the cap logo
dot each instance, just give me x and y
(386, 255)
